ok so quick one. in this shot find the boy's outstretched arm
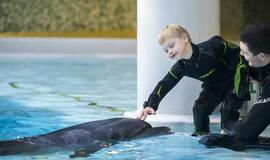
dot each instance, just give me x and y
(162, 88)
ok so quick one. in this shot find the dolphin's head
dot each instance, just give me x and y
(135, 128)
(129, 128)
(156, 131)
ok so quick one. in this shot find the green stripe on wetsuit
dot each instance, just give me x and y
(159, 90)
(237, 76)
(225, 48)
(207, 74)
(240, 65)
(174, 75)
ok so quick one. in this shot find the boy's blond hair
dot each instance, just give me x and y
(172, 31)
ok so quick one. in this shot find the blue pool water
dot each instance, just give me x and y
(41, 94)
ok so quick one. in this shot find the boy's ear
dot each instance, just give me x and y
(185, 37)
(264, 56)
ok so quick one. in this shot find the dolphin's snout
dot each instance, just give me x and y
(167, 130)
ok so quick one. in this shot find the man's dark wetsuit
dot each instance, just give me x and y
(258, 118)
(222, 70)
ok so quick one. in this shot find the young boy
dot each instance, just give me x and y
(217, 63)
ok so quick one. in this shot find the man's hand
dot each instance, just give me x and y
(146, 111)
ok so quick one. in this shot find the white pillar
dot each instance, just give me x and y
(200, 18)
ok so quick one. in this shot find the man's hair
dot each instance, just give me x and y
(257, 37)
(172, 31)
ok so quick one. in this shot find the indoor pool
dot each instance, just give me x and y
(40, 94)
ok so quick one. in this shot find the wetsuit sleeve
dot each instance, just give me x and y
(165, 85)
(257, 119)
(233, 59)
(242, 79)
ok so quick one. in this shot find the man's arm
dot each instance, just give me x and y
(257, 119)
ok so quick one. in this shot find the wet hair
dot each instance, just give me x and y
(172, 31)
(257, 38)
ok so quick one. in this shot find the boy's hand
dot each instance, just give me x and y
(146, 111)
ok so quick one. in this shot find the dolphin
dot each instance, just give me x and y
(83, 139)
(234, 143)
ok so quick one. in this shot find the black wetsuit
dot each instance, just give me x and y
(222, 70)
(258, 118)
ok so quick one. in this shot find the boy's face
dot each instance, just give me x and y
(253, 60)
(175, 48)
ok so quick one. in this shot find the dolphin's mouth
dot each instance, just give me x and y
(170, 132)
(166, 130)
(155, 131)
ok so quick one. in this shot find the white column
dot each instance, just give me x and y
(200, 18)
